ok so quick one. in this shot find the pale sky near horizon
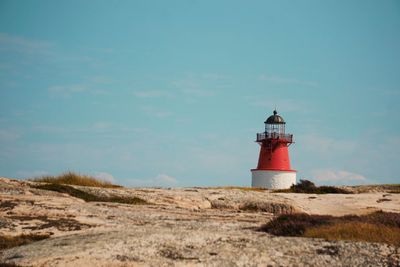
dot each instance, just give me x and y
(172, 93)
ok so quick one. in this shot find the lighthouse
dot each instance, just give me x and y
(273, 169)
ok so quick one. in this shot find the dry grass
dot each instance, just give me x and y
(88, 196)
(75, 179)
(375, 227)
(388, 188)
(393, 188)
(14, 241)
(270, 207)
(357, 231)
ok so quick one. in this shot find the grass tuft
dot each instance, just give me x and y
(308, 187)
(14, 241)
(75, 179)
(88, 196)
(375, 227)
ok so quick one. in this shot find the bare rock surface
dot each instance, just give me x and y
(180, 227)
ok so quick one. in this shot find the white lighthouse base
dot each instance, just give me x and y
(273, 179)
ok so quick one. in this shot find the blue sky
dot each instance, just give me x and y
(172, 93)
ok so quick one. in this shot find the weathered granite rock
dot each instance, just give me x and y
(181, 227)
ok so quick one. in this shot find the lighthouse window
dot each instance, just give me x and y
(275, 128)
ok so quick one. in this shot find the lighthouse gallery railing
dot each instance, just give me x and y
(262, 136)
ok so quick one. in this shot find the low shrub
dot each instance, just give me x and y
(75, 179)
(331, 190)
(19, 240)
(294, 224)
(308, 187)
(270, 207)
(375, 227)
(380, 217)
(88, 196)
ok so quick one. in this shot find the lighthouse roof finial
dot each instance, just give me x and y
(275, 119)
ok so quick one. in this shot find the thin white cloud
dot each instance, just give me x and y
(286, 81)
(214, 76)
(67, 90)
(4, 66)
(9, 135)
(288, 105)
(94, 85)
(325, 145)
(39, 53)
(31, 174)
(375, 160)
(156, 112)
(338, 176)
(102, 125)
(165, 179)
(99, 79)
(160, 180)
(150, 93)
(192, 86)
(197, 92)
(104, 176)
(24, 45)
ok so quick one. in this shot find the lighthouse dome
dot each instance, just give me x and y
(275, 119)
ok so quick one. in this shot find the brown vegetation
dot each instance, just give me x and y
(393, 188)
(308, 187)
(375, 227)
(61, 224)
(88, 196)
(271, 207)
(357, 231)
(75, 179)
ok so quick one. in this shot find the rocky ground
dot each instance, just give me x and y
(181, 227)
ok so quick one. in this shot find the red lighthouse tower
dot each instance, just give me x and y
(273, 169)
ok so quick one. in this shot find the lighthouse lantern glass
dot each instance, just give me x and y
(275, 128)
